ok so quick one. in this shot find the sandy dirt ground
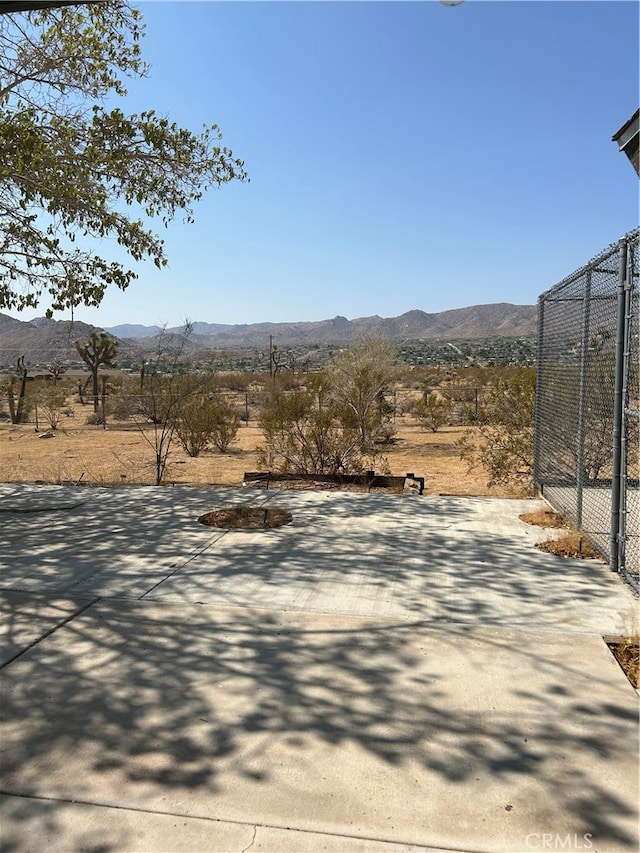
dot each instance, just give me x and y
(122, 454)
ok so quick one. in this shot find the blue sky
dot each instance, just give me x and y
(401, 155)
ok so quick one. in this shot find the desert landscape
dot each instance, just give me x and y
(122, 455)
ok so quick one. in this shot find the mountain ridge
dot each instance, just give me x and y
(42, 341)
(502, 319)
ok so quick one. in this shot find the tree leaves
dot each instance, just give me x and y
(73, 171)
(502, 439)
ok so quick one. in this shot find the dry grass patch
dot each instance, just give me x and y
(572, 544)
(627, 652)
(544, 518)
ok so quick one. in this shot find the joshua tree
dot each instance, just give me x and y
(17, 415)
(56, 370)
(99, 348)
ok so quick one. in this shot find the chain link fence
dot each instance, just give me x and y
(587, 451)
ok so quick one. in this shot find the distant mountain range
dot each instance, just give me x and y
(479, 321)
(42, 341)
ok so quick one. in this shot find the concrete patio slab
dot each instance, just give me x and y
(111, 541)
(445, 559)
(465, 560)
(407, 732)
(60, 827)
(385, 673)
(25, 618)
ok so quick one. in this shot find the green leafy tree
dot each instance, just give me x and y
(305, 434)
(225, 423)
(76, 171)
(202, 419)
(50, 400)
(98, 349)
(360, 377)
(501, 440)
(433, 411)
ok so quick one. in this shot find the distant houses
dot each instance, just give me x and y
(74, 374)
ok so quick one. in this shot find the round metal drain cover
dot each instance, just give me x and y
(246, 518)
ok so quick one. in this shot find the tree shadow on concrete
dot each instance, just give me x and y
(268, 714)
(292, 719)
(437, 560)
(442, 559)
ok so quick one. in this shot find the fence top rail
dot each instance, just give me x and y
(631, 237)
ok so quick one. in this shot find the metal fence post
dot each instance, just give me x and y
(537, 478)
(582, 401)
(618, 408)
(628, 319)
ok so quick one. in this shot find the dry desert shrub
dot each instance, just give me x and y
(119, 454)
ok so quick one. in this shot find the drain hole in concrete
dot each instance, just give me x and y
(246, 518)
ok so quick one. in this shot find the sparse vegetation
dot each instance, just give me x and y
(166, 390)
(204, 419)
(357, 382)
(50, 400)
(98, 349)
(304, 433)
(433, 411)
(501, 439)
(336, 423)
(572, 544)
(121, 452)
(193, 424)
(225, 422)
(300, 422)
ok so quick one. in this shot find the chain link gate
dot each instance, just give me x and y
(587, 420)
